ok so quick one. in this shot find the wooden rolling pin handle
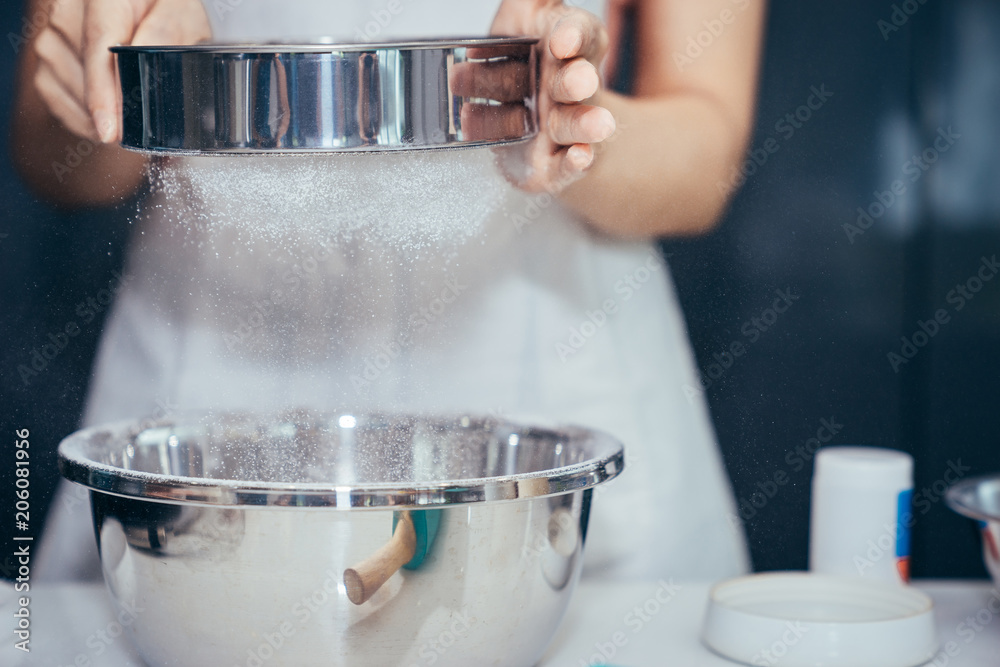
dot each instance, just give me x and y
(362, 580)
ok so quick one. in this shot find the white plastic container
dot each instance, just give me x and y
(861, 513)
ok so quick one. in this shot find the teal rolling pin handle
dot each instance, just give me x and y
(413, 534)
(425, 524)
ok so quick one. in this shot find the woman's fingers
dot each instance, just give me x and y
(578, 34)
(573, 161)
(78, 76)
(535, 167)
(64, 106)
(173, 22)
(111, 22)
(67, 20)
(59, 78)
(573, 43)
(106, 23)
(579, 124)
(574, 81)
(63, 62)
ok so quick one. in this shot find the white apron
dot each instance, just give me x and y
(524, 313)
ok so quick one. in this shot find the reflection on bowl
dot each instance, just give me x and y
(233, 533)
(979, 499)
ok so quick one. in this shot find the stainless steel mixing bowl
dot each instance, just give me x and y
(295, 98)
(231, 535)
(979, 499)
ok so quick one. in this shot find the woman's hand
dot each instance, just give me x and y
(76, 76)
(572, 44)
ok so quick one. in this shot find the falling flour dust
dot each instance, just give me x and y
(412, 198)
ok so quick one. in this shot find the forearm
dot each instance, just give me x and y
(658, 174)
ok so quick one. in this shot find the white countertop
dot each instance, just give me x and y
(619, 624)
(670, 636)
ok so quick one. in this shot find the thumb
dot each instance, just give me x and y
(107, 23)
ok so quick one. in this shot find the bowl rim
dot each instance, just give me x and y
(79, 467)
(332, 46)
(957, 497)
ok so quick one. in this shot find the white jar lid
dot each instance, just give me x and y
(798, 619)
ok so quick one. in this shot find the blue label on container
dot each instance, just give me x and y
(904, 519)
